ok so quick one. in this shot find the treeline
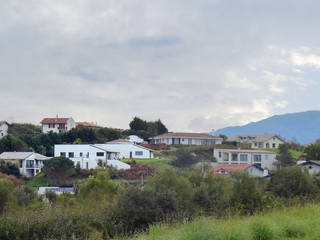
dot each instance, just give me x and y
(104, 209)
(28, 137)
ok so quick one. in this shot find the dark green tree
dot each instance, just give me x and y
(184, 158)
(58, 169)
(313, 152)
(284, 157)
(161, 127)
(138, 124)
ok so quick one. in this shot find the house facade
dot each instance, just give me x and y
(3, 129)
(312, 166)
(57, 125)
(89, 156)
(259, 140)
(263, 159)
(128, 149)
(187, 139)
(224, 169)
(135, 139)
(29, 163)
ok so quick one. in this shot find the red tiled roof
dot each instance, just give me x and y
(231, 167)
(186, 135)
(54, 120)
(3, 122)
(86, 124)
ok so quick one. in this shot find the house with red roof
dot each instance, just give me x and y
(224, 169)
(57, 125)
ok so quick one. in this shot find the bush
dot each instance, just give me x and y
(6, 196)
(9, 168)
(183, 158)
(261, 231)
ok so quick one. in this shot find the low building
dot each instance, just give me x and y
(264, 159)
(224, 169)
(87, 125)
(187, 139)
(4, 126)
(135, 139)
(259, 140)
(29, 163)
(312, 166)
(128, 149)
(57, 125)
(90, 156)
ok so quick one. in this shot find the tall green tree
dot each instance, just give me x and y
(58, 169)
(313, 152)
(284, 157)
(138, 124)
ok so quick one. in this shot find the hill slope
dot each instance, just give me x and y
(304, 126)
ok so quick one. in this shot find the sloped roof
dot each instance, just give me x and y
(3, 122)
(245, 151)
(233, 167)
(315, 162)
(54, 120)
(21, 156)
(105, 148)
(187, 135)
(254, 137)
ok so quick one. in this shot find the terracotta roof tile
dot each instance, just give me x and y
(54, 120)
(231, 167)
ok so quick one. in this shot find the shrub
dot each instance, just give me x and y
(183, 158)
(9, 168)
(261, 231)
(6, 196)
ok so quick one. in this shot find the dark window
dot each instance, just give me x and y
(219, 154)
(87, 165)
(71, 154)
(81, 154)
(100, 154)
(273, 145)
(234, 157)
(62, 154)
(257, 158)
(139, 153)
(243, 158)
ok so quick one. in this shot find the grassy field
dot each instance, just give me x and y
(150, 162)
(295, 223)
(295, 154)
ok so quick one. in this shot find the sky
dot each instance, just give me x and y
(196, 65)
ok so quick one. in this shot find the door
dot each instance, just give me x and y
(130, 154)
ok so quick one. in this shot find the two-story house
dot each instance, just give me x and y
(29, 163)
(259, 140)
(57, 125)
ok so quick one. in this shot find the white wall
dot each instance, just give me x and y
(3, 130)
(124, 150)
(85, 154)
(255, 172)
(312, 168)
(267, 159)
(135, 139)
(188, 141)
(69, 125)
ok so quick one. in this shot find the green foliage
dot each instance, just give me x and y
(291, 182)
(51, 196)
(313, 152)
(77, 141)
(285, 158)
(146, 129)
(184, 158)
(24, 195)
(58, 169)
(11, 144)
(262, 231)
(9, 168)
(6, 196)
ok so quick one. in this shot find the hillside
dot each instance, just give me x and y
(296, 223)
(303, 126)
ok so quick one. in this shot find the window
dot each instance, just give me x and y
(220, 154)
(87, 165)
(62, 154)
(71, 154)
(257, 158)
(226, 157)
(243, 158)
(273, 145)
(139, 153)
(234, 157)
(100, 154)
(81, 154)
(255, 144)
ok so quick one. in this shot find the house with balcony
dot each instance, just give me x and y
(257, 141)
(57, 125)
(90, 156)
(4, 126)
(184, 138)
(29, 163)
(261, 158)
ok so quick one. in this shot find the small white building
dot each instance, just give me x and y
(312, 166)
(128, 149)
(3, 129)
(90, 155)
(135, 139)
(29, 163)
(57, 125)
(264, 159)
(187, 139)
(259, 140)
(253, 170)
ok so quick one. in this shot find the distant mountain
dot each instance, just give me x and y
(303, 126)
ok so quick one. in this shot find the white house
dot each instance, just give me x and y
(264, 159)
(29, 163)
(90, 155)
(128, 149)
(259, 140)
(312, 166)
(135, 139)
(3, 129)
(187, 139)
(253, 170)
(57, 125)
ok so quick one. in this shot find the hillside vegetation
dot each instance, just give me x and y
(295, 223)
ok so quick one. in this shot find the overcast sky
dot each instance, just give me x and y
(196, 65)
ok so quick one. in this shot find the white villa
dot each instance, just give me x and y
(89, 155)
(57, 125)
(135, 139)
(3, 129)
(259, 140)
(128, 149)
(29, 163)
(264, 159)
(187, 139)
